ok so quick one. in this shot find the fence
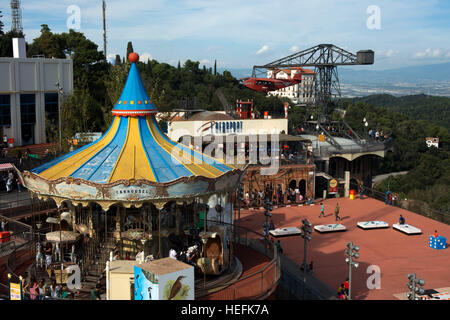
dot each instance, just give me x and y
(416, 206)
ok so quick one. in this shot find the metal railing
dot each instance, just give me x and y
(411, 205)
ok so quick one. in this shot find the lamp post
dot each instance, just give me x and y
(352, 252)
(306, 231)
(414, 286)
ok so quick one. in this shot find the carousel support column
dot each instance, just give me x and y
(195, 213)
(177, 219)
(118, 210)
(106, 226)
(159, 233)
(60, 243)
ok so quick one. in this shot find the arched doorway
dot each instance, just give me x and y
(354, 184)
(293, 184)
(321, 184)
(302, 187)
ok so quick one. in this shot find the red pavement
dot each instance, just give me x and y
(395, 253)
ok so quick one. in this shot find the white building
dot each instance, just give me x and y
(29, 94)
(432, 142)
(220, 124)
(300, 93)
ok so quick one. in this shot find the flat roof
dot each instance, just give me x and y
(164, 266)
(122, 266)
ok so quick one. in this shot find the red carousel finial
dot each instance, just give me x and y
(133, 57)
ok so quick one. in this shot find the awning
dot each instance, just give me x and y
(6, 166)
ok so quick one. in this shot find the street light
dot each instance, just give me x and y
(352, 252)
(306, 231)
(414, 286)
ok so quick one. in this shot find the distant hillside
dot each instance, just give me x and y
(418, 107)
(439, 72)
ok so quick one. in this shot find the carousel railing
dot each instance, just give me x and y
(261, 283)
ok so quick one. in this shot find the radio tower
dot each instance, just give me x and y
(16, 16)
(104, 29)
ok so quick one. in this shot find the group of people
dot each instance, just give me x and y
(336, 211)
(10, 182)
(378, 135)
(343, 290)
(276, 196)
(40, 290)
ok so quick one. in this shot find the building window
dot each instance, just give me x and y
(5, 110)
(51, 107)
(27, 109)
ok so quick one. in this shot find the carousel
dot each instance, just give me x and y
(146, 194)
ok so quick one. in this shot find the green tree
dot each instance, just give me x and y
(6, 46)
(118, 61)
(1, 24)
(129, 49)
(46, 44)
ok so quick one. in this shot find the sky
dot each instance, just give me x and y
(241, 34)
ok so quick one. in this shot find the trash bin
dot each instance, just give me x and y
(5, 236)
(352, 194)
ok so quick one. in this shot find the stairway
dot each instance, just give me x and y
(95, 272)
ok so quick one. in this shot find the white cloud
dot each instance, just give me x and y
(429, 53)
(386, 53)
(205, 61)
(264, 49)
(145, 56)
(294, 49)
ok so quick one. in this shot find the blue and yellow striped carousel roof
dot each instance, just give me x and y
(134, 147)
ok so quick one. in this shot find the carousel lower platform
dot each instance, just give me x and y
(258, 278)
(208, 285)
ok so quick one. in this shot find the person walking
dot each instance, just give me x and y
(41, 290)
(55, 290)
(33, 288)
(322, 210)
(346, 288)
(336, 212)
(19, 184)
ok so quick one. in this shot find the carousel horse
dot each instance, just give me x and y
(149, 258)
(73, 258)
(140, 257)
(56, 252)
(39, 255)
(192, 254)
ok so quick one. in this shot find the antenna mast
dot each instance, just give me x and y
(104, 29)
(16, 16)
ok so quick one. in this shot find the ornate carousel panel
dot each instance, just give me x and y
(141, 190)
